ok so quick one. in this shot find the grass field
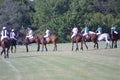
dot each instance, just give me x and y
(64, 64)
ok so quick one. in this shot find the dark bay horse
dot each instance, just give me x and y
(51, 39)
(93, 37)
(114, 39)
(13, 43)
(25, 41)
(76, 39)
(5, 44)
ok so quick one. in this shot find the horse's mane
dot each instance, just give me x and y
(21, 35)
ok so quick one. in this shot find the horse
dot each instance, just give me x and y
(51, 39)
(13, 43)
(76, 39)
(114, 39)
(96, 38)
(93, 37)
(40, 40)
(25, 40)
(105, 37)
(5, 47)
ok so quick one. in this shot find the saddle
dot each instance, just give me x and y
(99, 35)
(86, 36)
(47, 39)
(29, 40)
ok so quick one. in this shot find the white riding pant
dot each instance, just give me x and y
(74, 34)
(115, 32)
(85, 34)
(4, 37)
(13, 38)
(98, 33)
(47, 35)
(29, 36)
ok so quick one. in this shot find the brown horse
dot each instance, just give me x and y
(36, 39)
(5, 44)
(51, 39)
(40, 40)
(76, 39)
(13, 43)
(25, 40)
(114, 38)
(93, 37)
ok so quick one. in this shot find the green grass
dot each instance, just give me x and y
(64, 64)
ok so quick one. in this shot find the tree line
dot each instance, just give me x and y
(59, 15)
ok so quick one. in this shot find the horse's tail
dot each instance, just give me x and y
(54, 38)
(5, 42)
(108, 36)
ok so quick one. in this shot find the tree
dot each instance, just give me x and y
(14, 14)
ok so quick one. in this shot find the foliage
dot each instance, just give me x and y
(14, 14)
(59, 15)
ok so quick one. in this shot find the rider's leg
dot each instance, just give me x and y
(72, 36)
(115, 32)
(84, 36)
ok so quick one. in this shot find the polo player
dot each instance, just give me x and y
(4, 33)
(99, 30)
(47, 33)
(12, 35)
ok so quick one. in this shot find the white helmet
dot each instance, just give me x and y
(28, 28)
(4, 27)
(12, 29)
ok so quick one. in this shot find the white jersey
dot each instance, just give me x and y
(47, 32)
(75, 30)
(4, 34)
(30, 34)
(12, 35)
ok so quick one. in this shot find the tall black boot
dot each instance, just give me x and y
(28, 40)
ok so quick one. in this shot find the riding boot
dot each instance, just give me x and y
(106, 45)
(28, 40)
(84, 38)
(71, 39)
(44, 39)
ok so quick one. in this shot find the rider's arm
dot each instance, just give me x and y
(1, 32)
(82, 31)
(96, 30)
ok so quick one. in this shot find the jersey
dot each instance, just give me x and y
(4, 34)
(13, 35)
(86, 30)
(75, 30)
(99, 29)
(47, 33)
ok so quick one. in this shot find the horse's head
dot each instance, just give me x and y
(92, 37)
(114, 36)
(20, 35)
(5, 42)
(39, 38)
(71, 33)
